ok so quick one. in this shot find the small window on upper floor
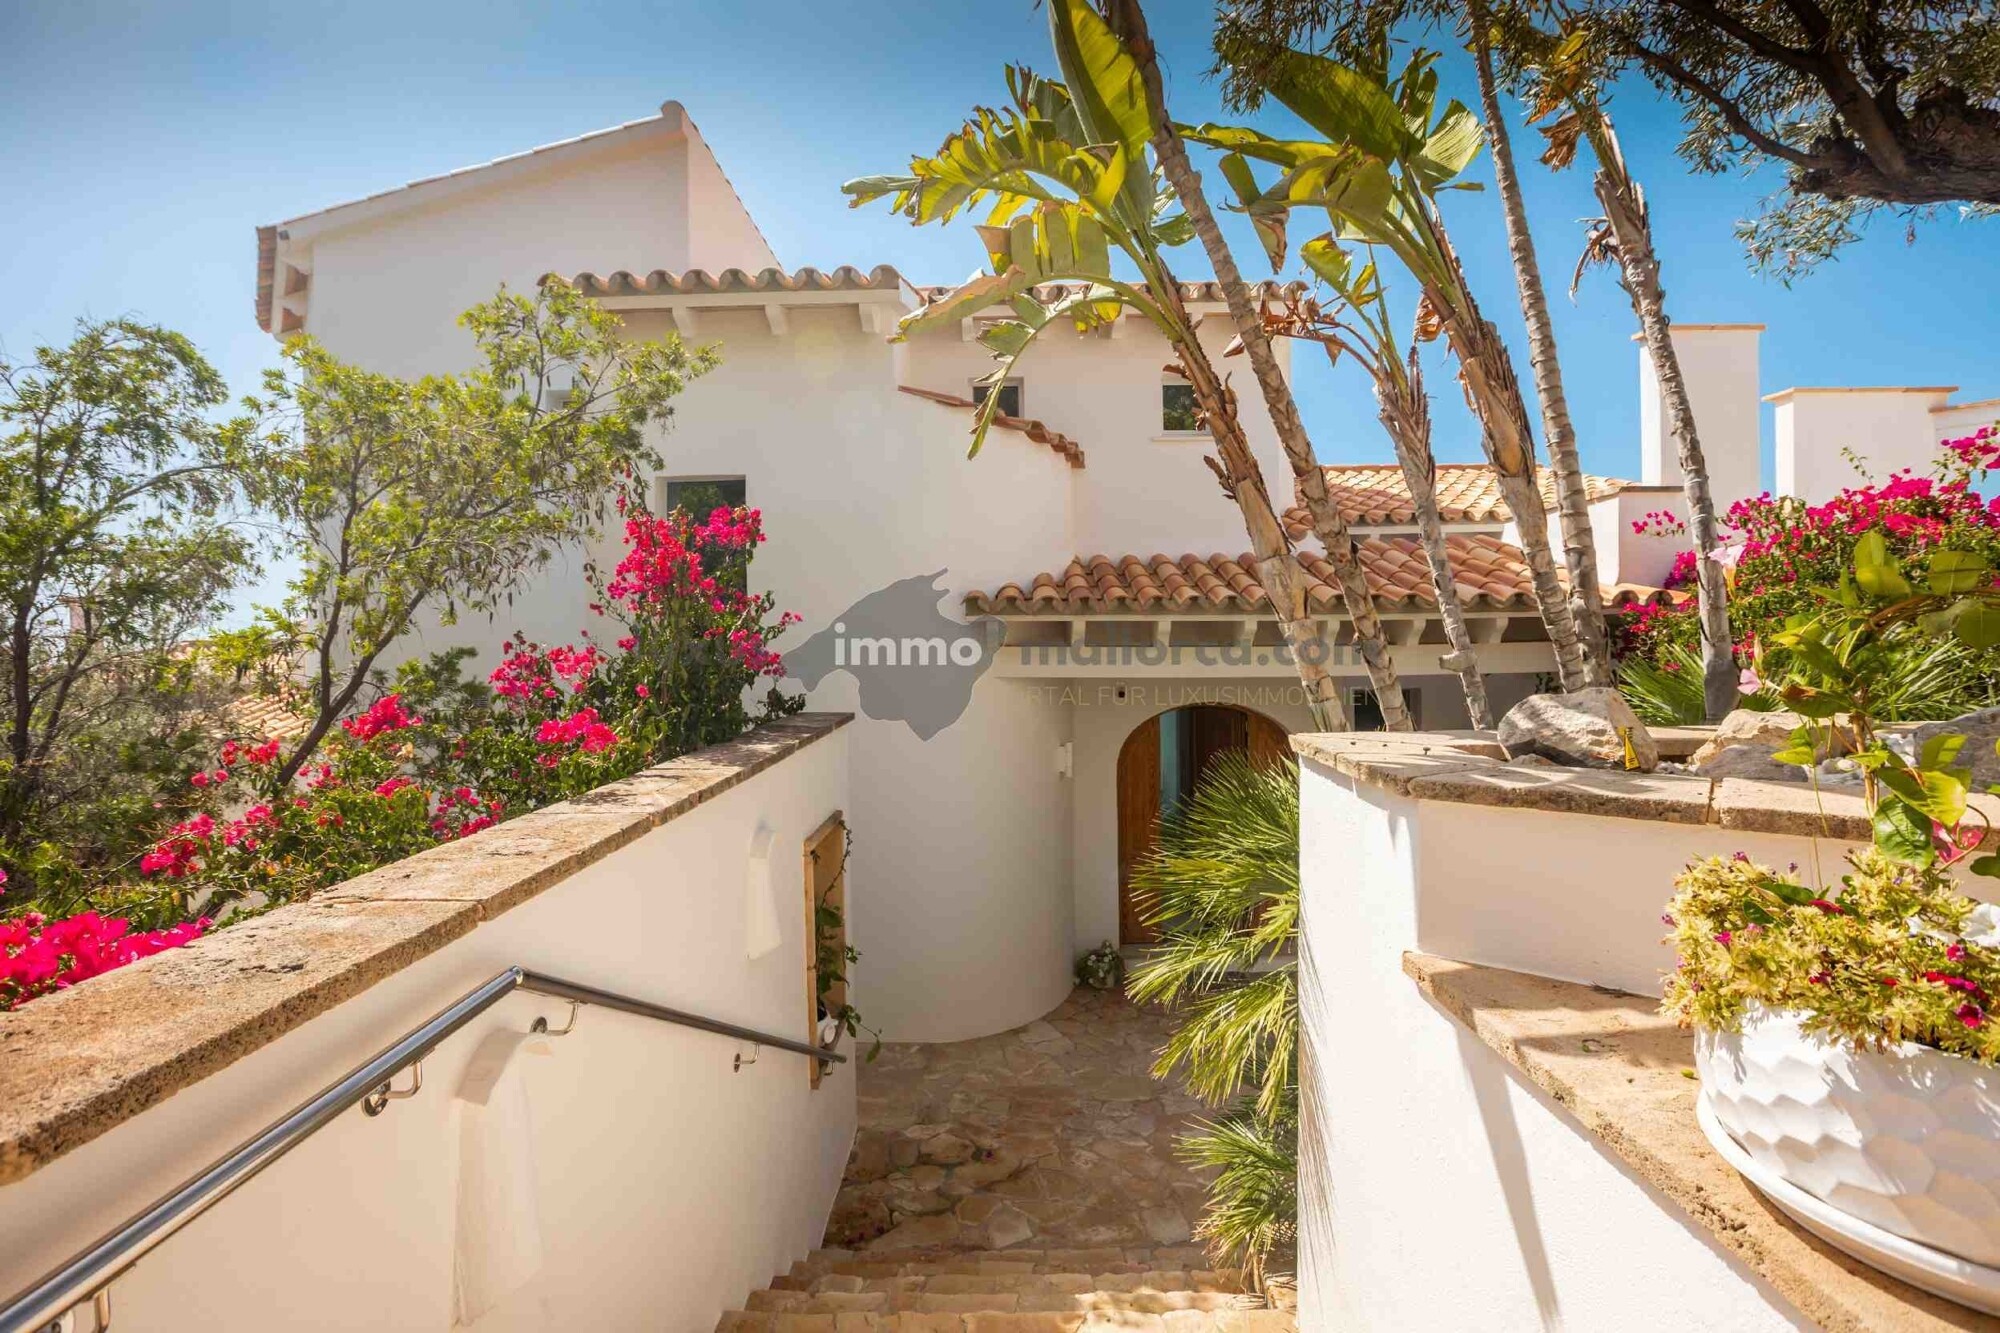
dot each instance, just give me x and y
(1010, 396)
(1365, 710)
(700, 496)
(1177, 407)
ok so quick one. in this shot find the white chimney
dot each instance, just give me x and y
(1831, 438)
(1719, 365)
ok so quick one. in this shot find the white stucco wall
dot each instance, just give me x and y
(391, 276)
(1719, 366)
(1890, 429)
(1959, 420)
(669, 1185)
(1143, 492)
(1439, 1190)
(869, 487)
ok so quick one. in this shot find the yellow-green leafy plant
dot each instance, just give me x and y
(1893, 953)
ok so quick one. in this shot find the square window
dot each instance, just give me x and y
(1010, 396)
(1177, 408)
(701, 496)
(1365, 711)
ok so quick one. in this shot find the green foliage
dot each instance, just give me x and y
(1665, 689)
(1253, 1200)
(115, 548)
(445, 495)
(1065, 178)
(1222, 889)
(1894, 953)
(1840, 664)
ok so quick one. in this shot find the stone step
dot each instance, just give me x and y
(997, 1321)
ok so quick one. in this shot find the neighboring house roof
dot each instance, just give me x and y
(264, 716)
(1028, 426)
(1490, 575)
(1375, 493)
(698, 282)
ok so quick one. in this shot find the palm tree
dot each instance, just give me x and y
(1361, 328)
(1223, 888)
(1127, 21)
(1065, 173)
(1568, 78)
(1388, 152)
(1586, 593)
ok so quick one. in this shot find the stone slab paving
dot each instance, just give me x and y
(1052, 1134)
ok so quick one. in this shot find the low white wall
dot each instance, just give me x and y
(669, 1185)
(1440, 1190)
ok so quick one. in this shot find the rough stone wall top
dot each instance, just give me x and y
(1464, 767)
(76, 1063)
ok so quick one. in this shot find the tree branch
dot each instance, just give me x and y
(1733, 115)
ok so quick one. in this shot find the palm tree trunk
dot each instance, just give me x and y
(1639, 270)
(1487, 374)
(1586, 593)
(1129, 22)
(1405, 413)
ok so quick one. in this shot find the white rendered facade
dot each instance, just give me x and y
(990, 850)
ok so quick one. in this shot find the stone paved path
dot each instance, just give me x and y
(1051, 1135)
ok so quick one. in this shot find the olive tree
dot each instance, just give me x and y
(444, 495)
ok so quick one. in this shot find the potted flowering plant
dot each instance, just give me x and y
(1845, 1038)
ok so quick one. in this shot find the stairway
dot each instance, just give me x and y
(1005, 1291)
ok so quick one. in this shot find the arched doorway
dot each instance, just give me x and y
(1159, 765)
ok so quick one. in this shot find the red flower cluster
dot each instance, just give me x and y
(38, 956)
(384, 715)
(581, 728)
(1660, 523)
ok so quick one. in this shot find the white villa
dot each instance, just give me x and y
(574, 1071)
(1088, 525)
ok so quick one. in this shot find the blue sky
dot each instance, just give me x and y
(144, 143)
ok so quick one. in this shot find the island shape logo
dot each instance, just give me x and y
(914, 664)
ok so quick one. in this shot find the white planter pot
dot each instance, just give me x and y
(1906, 1139)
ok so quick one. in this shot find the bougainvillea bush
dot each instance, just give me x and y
(680, 644)
(1788, 557)
(1892, 953)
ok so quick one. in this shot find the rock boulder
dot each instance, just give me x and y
(1588, 729)
(1981, 731)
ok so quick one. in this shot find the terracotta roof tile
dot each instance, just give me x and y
(1028, 426)
(699, 282)
(1490, 575)
(1375, 493)
(1190, 291)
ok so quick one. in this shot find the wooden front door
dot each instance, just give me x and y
(1138, 810)
(1207, 730)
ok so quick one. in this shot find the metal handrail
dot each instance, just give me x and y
(90, 1273)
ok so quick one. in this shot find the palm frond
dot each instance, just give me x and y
(1253, 1203)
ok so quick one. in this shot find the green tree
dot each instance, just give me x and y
(1868, 106)
(1127, 21)
(1624, 236)
(1389, 149)
(1065, 175)
(115, 548)
(1222, 887)
(1254, 37)
(1357, 325)
(444, 495)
